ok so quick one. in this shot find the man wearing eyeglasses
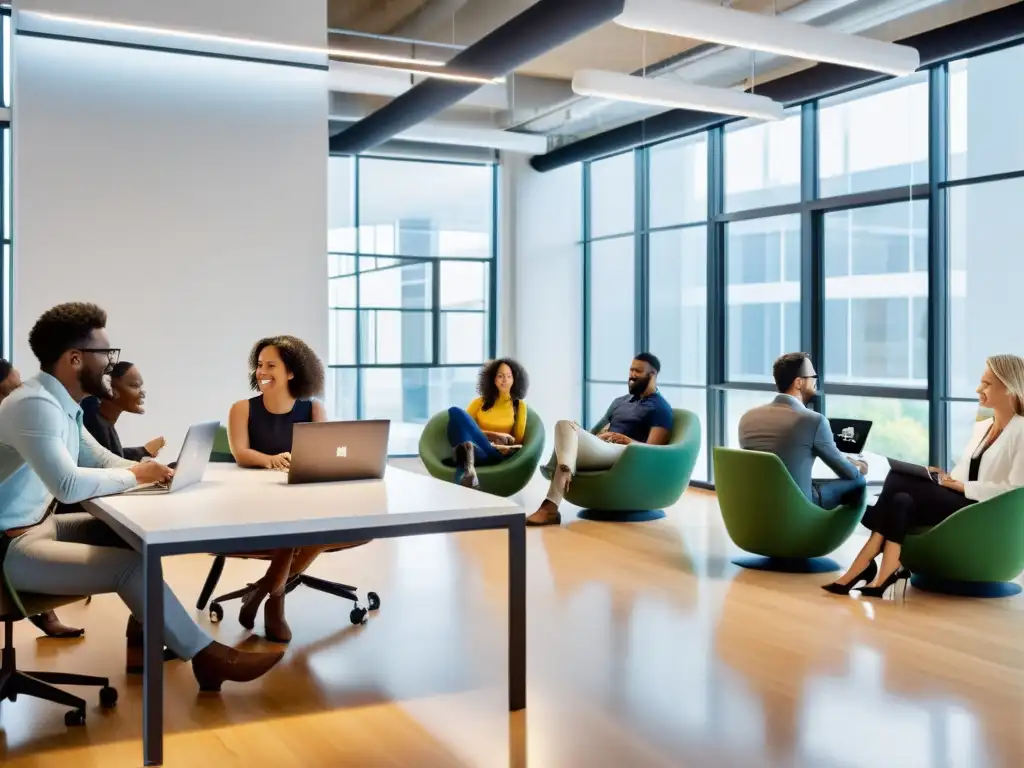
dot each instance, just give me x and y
(798, 435)
(47, 457)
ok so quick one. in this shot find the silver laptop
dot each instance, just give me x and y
(192, 461)
(339, 450)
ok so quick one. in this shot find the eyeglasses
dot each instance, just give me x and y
(113, 355)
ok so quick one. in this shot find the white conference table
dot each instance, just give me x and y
(239, 510)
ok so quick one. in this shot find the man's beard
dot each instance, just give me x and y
(638, 385)
(95, 384)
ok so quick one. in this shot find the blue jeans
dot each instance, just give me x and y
(831, 493)
(462, 428)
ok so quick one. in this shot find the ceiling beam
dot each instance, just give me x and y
(541, 27)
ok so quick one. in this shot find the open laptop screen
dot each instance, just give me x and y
(850, 434)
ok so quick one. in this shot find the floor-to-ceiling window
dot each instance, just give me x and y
(411, 259)
(875, 229)
(611, 259)
(7, 257)
(983, 198)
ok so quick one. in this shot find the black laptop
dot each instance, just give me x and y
(850, 434)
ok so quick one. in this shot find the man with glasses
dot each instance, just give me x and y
(47, 457)
(798, 435)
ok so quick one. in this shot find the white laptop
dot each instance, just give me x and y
(192, 461)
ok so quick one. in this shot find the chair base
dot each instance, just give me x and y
(43, 685)
(965, 588)
(620, 515)
(788, 564)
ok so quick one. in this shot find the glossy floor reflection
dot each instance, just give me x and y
(647, 647)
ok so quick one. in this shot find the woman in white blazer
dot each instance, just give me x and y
(991, 464)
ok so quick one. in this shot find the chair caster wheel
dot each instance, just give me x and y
(373, 600)
(216, 612)
(358, 616)
(108, 697)
(74, 718)
(12, 697)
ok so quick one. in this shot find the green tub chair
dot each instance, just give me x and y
(645, 479)
(767, 514)
(506, 478)
(221, 452)
(976, 552)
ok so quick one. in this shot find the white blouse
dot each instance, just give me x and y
(1002, 464)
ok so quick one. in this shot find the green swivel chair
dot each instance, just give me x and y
(645, 479)
(42, 685)
(506, 478)
(976, 552)
(766, 513)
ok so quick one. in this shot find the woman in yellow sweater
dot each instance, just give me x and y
(493, 425)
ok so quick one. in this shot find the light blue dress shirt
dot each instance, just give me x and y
(45, 454)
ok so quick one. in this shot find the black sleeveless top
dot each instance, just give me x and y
(271, 433)
(975, 466)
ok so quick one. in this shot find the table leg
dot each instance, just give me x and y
(153, 665)
(517, 614)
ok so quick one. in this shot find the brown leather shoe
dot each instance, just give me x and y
(275, 627)
(546, 514)
(251, 605)
(217, 664)
(134, 648)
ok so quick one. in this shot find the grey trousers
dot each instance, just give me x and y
(76, 554)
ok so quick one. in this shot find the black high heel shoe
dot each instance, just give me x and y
(900, 574)
(867, 576)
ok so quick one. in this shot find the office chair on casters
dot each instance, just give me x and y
(42, 685)
(357, 615)
(221, 453)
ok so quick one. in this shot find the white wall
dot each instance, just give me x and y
(543, 215)
(184, 194)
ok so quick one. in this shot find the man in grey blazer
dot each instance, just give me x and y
(798, 435)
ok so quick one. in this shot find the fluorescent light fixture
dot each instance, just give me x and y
(413, 65)
(674, 94)
(772, 34)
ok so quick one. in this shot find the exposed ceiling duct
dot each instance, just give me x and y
(541, 27)
(1002, 26)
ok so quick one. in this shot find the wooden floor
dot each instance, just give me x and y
(646, 648)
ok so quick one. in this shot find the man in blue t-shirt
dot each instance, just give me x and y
(642, 416)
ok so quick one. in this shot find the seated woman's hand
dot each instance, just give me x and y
(281, 462)
(948, 482)
(500, 438)
(154, 446)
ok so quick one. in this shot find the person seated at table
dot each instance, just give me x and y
(287, 374)
(494, 424)
(798, 435)
(46, 457)
(128, 395)
(10, 380)
(642, 416)
(992, 463)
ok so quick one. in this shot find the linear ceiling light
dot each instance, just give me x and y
(772, 34)
(674, 94)
(276, 46)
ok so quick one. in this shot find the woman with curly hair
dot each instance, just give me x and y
(287, 374)
(493, 425)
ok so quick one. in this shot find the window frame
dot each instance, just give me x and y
(434, 306)
(812, 209)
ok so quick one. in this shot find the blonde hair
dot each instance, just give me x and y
(1009, 369)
